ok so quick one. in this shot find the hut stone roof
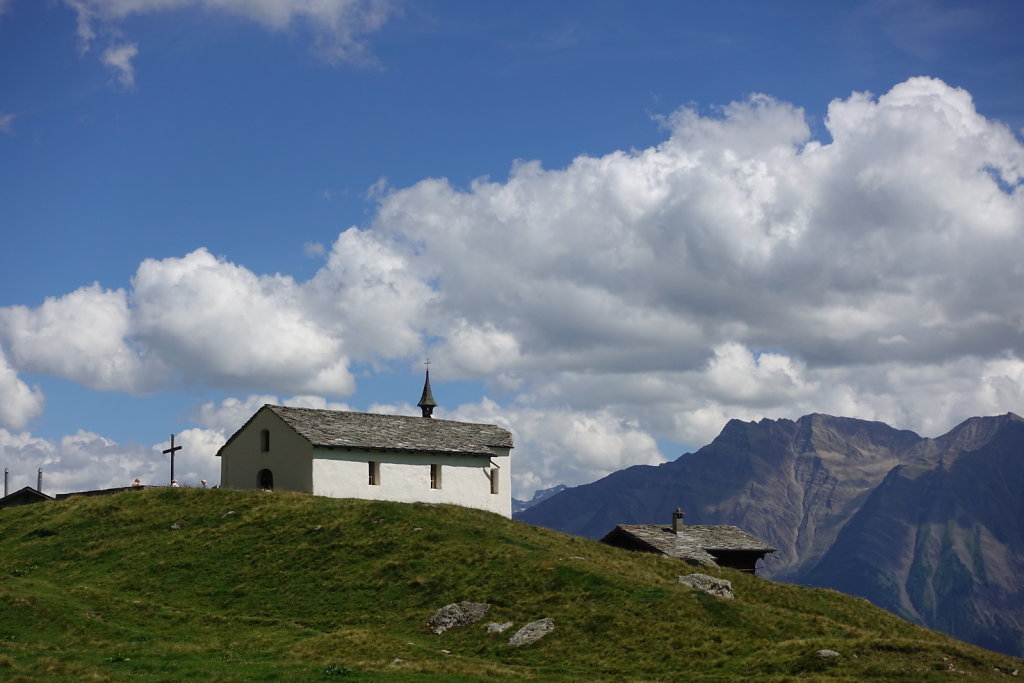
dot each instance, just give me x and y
(24, 496)
(693, 543)
(370, 431)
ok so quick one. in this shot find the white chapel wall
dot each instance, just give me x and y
(289, 456)
(405, 478)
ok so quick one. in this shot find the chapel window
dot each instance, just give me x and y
(494, 480)
(435, 476)
(265, 441)
(374, 472)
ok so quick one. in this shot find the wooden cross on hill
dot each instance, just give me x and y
(171, 450)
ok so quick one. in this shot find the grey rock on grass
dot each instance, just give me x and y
(457, 614)
(709, 584)
(532, 632)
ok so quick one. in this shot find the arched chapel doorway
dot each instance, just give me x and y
(265, 480)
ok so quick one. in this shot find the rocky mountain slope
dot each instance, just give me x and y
(931, 529)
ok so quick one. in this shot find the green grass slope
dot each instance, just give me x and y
(255, 586)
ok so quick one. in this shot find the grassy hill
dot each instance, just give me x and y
(256, 586)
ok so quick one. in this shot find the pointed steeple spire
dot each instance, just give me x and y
(427, 403)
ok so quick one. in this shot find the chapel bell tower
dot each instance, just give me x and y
(427, 403)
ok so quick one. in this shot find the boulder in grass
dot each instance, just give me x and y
(457, 614)
(721, 588)
(532, 632)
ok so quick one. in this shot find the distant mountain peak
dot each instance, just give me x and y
(538, 496)
(973, 433)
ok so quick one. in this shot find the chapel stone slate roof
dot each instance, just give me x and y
(693, 543)
(370, 431)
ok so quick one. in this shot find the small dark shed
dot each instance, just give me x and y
(25, 496)
(705, 545)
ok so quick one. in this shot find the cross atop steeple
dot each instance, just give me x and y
(427, 403)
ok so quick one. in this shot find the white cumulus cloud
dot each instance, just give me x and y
(218, 323)
(20, 402)
(369, 294)
(563, 446)
(742, 229)
(83, 336)
(737, 376)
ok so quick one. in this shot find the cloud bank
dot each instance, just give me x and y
(739, 269)
(87, 461)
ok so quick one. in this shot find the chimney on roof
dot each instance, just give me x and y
(6, 475)
(39, 481)
(427, 403)
(677, 520)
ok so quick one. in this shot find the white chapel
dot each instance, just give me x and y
(345, 454)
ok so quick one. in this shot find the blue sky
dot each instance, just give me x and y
(612, 226)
